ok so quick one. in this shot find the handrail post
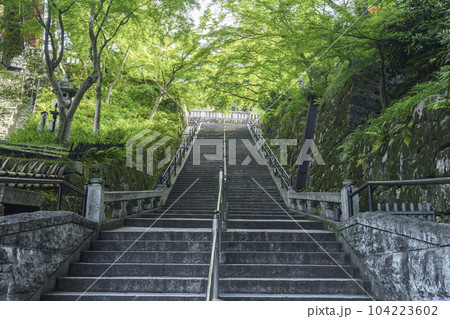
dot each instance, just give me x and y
(225, 186)
(225, 204)
(370, 191)
(349, 203)
(83, 207)
(60, 193)
(212, 291)
(215, 288)
(220, 207)
(95, 201)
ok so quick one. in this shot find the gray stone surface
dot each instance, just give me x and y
(74, 168)
(13, 196)
(95, 201)
(33, 246)
(408, 257)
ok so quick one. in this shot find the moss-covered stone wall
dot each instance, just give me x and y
(426, 156)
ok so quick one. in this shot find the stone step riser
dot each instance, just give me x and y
(226, 271)
(123, 297)
(251, 257)
(139, 270)
(305, 297)
(146, 257)
(289, 287)
(227, 236)
(316, 258)
(157, 285)
(101, 245)
(209, 215)
(244, 224)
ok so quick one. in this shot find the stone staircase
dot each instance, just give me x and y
(165, 254)
(270, 254)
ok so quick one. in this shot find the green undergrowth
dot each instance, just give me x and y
(397, 120)
(121, 119)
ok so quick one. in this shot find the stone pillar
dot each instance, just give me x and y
(137, 206)
(312, 207)
(301, 205)
(120, 209)
(292, 202)
(327, 210)
(346, 190)
(156, 202)
(147, 204)
(43, 122)
(95, 202)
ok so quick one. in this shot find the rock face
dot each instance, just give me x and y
(408, 257)
(426, 156)
(33, 246)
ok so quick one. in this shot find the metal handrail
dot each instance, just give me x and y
(212, 292)
(372, 185)
(164, 178)
(219, 198)
(225, 185)
(285, 176)
(51, 183)
(219, 224)
(224, 154)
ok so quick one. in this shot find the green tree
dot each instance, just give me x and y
(11, 29)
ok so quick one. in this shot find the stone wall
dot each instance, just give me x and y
(116, 177)
(34, 246)
(404, 258)
(340, 113)
(13, 113)
(426, 156)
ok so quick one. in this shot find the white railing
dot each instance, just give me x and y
(235, 115)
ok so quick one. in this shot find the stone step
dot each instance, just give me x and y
(205, 235)
(272, 224)
(138, 270)
(201, 270)
(133, 284)
(293, 297)
(231, 215)
(121, 296)
(290, 286)
(232, 223)
(169, 222)
(120, 245)
(150, 245)
(277, 257)
(176, 257)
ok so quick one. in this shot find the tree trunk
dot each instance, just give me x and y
(63, 130)
(158, 102)
(98, 105)
(117, 77)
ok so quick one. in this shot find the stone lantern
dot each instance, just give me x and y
(68, 91)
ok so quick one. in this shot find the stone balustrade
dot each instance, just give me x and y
(125, 203)
(333, 206)
(139, 201)
(235, 116)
